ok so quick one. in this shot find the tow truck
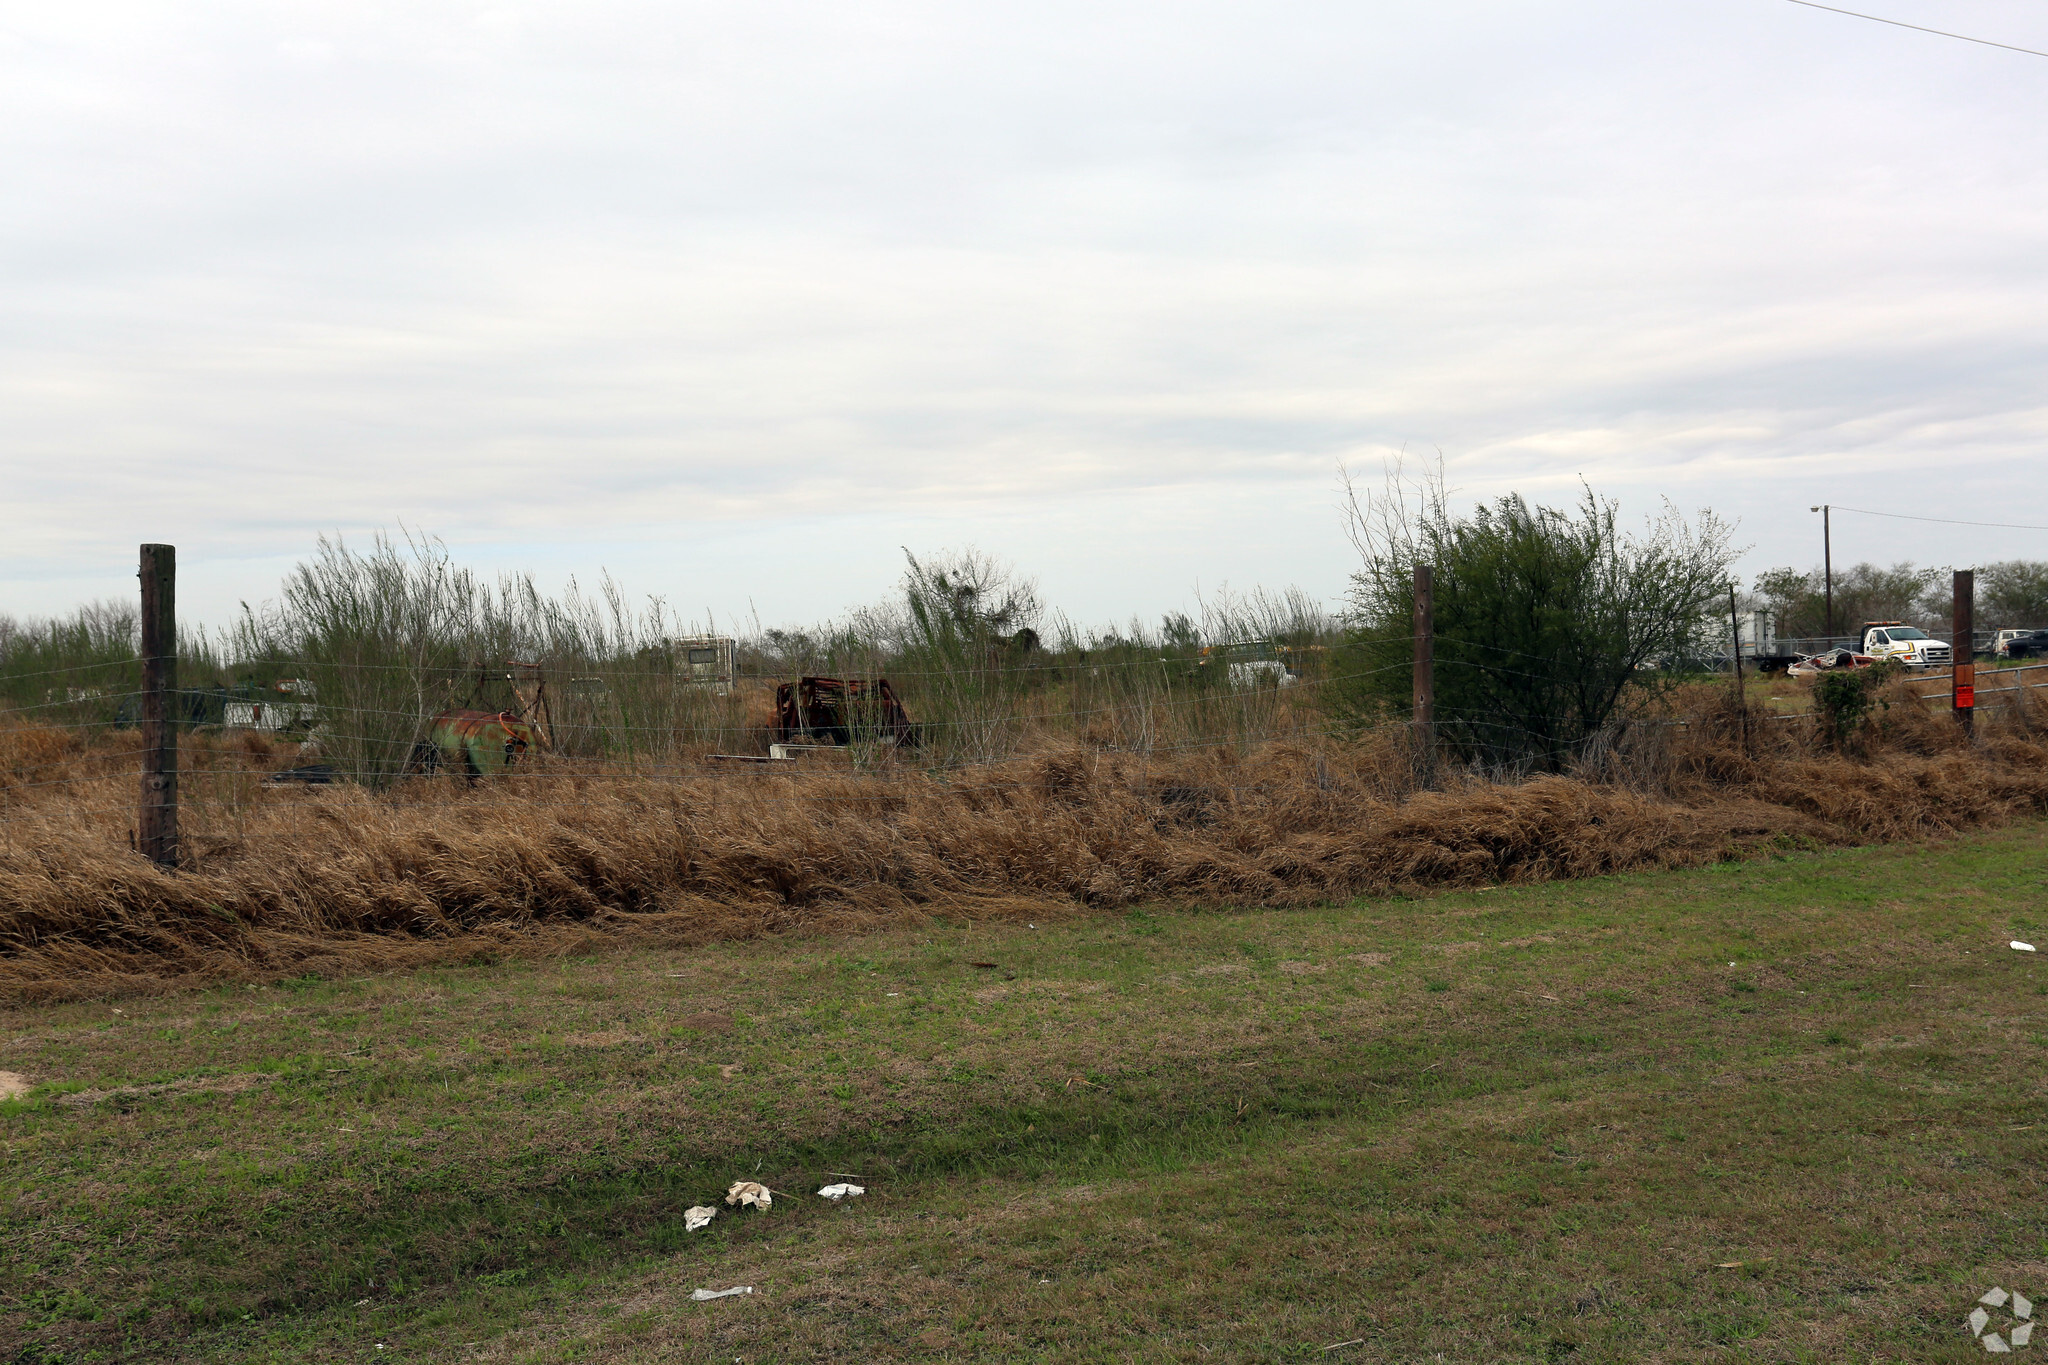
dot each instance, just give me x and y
(1905, 644)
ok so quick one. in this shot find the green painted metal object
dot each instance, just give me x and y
(474, 743)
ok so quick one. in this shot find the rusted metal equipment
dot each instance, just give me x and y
(475, 743)
(526, 684)
(840, 711)
(530, 690)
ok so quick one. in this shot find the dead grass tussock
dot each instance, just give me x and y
(194, 1085)
(335, 880)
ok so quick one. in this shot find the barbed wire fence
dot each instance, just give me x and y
(221, 756)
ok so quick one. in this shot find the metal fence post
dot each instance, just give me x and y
(157, 832)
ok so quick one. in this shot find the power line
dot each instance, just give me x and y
(1946, 521)
(1937, 32)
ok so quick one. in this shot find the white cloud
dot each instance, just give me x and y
(737, 300)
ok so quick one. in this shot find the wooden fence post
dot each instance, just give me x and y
(157, 832)
(1425, 673)
(1963, 650)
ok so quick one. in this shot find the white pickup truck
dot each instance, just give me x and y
(1912, 647)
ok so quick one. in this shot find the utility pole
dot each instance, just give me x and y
(157, 832)
(1963, 650)
(1425, 671)
(1827, 560)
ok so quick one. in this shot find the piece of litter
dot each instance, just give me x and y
(2020, 947)
(750, 1192)
(2023, 1334)
(1731, 964)
(1737, 1265)
(697, 1216)
(843, 1190)
(1995, 1344)
(1978, 1321)
(1995, 1297)
(706, 1295)
(892, 995)
(2022, 1306)
(1360, 1341)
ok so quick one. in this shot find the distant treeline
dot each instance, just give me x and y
(2011, 593)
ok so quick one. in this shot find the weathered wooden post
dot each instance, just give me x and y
(157, 831)
(1735, 639)
(1425, 673)
(1963, 650)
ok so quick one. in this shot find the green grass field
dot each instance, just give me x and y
(1523, 1124)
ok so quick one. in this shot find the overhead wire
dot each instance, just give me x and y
(1917, 28)
(1945, 521)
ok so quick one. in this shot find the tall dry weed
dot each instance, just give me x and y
(290, 879)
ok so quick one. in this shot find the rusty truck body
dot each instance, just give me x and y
(840, 711)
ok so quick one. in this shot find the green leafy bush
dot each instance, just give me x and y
(1843, 700)
(1545, 619)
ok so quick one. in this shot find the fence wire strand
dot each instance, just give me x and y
(222, 783)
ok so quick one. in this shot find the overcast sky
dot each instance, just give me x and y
(735, 301)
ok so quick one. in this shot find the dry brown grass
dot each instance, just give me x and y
(287, 881)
